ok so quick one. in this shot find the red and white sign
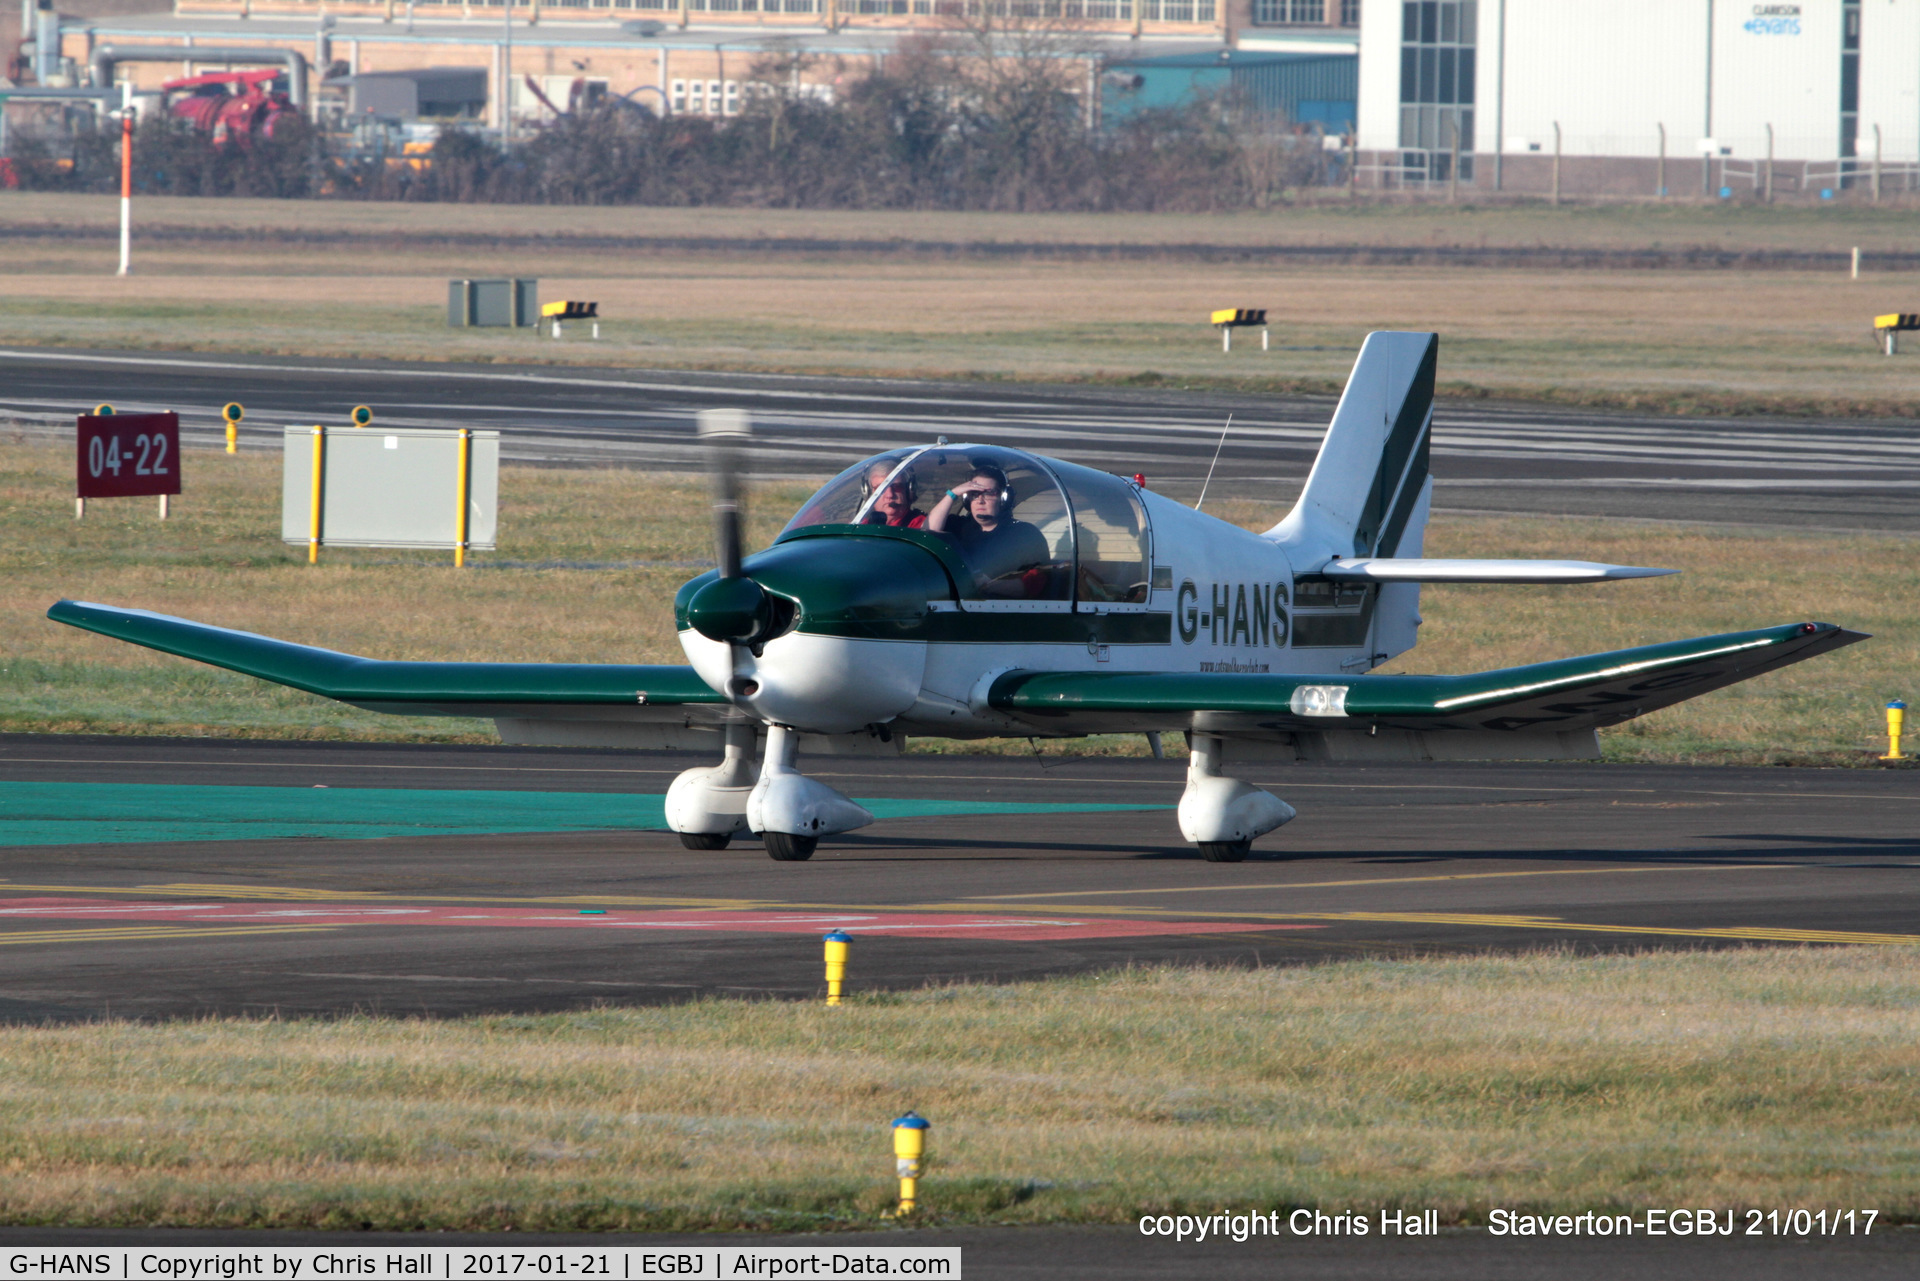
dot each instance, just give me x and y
(128, 455)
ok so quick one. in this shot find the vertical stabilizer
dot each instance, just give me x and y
(1363, 497)
(1369, 492)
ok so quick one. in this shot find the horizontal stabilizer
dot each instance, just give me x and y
(445, 689)
(1385, 569)
(1568, 694)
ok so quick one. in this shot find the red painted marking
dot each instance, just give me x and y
(939, 925)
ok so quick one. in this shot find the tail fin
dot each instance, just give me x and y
(1366, 495)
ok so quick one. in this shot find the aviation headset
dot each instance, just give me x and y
(1000, 477)
(906, 478)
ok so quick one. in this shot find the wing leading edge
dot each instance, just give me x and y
(1572, 694)
(443, 689)
(1410, 569)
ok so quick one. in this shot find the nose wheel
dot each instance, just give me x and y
(1225, 851)
(785, 847)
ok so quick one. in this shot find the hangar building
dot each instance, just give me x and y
(1636, 95)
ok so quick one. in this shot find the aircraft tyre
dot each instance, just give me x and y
(705, 840)
(785, 847)
(1225, 851)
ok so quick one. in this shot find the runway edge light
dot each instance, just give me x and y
(1896, 724)
(909, 1155)
(836, 964)
(233, 412)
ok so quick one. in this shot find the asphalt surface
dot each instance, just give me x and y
(1383, 861)
(1803, 473)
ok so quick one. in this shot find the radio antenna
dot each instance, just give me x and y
(1215, 462)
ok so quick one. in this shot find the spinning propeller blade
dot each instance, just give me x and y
(725, 433)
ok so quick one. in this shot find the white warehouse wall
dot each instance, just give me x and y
(1377, 114)
(1611, 72)
(1890, 78)
(1764, 73)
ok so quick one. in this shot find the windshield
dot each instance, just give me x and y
(1010, 524)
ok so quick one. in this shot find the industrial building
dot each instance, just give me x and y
(675, 56)
(1721, 98)
(1313, 90)
(1636, 97)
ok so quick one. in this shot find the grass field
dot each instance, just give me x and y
(589, 561)
(1751, 1078)
(370, 280)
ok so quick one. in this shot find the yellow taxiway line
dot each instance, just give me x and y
(1382, 880)
(124, 933)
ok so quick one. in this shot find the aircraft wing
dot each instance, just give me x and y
(1572, 695)
(1410, 569)
(511, 690)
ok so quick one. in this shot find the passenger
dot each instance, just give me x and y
(1007, 556)
(894, 506)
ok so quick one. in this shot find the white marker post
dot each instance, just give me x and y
(126, 179)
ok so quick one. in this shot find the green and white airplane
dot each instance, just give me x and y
(970, 591)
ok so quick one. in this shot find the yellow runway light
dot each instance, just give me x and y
(836, 964)
(233, 413)
(909, 1155)
(1896, 724)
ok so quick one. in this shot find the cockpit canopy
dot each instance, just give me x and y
(1061, 533)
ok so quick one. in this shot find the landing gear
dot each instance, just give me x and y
(1225, 851)
(785, 847)
(708, 804)
(1219, 814)
(791, 811)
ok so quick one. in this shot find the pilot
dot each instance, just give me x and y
(894, 506)
(1008, 557)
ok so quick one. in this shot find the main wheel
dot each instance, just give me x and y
(705, 840)
(1224, 851)
(788, 848)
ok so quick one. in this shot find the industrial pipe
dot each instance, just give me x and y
(295, 62)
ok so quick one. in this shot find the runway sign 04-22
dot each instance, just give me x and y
(128, 455)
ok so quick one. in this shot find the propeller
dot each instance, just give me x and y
(725, 432)
(733, 608)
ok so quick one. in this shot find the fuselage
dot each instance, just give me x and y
(894, 626)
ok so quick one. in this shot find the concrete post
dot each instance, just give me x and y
(1769, 195)
(1556, 162)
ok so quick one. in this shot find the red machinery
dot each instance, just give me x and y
(231, 106)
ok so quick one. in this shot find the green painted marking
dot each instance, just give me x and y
(115, 813)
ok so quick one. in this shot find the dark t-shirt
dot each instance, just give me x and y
(1011, 547)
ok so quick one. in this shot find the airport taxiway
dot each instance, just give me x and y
(992, 868)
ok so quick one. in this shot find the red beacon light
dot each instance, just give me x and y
(1140, 480)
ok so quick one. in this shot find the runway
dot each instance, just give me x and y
(1798, 473)
(989, 868)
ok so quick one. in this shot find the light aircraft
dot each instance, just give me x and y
(970, 591)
